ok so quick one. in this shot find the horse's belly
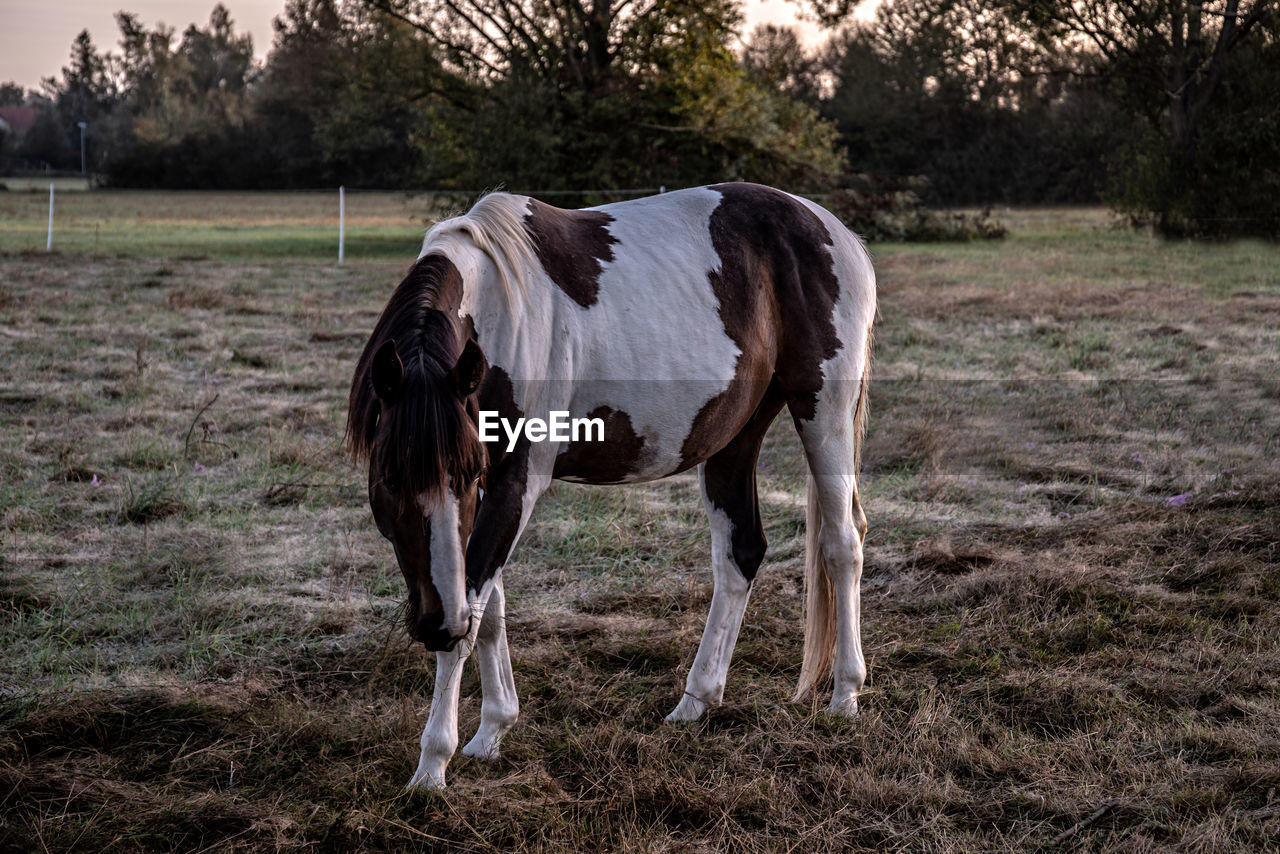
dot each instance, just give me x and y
(661, 429)
(629, 449)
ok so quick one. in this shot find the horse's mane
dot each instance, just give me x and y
(496, 226)
(427, 434)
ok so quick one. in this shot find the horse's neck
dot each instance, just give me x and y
(513, 327)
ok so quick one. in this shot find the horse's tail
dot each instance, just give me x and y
(819, 608)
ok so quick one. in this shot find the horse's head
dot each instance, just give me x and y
(426, 465)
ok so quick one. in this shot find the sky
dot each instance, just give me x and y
(36, 35)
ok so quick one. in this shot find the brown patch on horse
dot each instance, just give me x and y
(729, 483)
(610, 461)
(497, 518)
(776, 290)
(406, 528)
(571, 245)
(792, 243)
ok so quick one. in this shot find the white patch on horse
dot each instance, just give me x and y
(447, 561)
(653, 345)
(440, 735)
(495, 226)
(704, 686)
(499, 706)
(830, 441)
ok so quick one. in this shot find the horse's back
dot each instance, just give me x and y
(742, 260)
(699, 303)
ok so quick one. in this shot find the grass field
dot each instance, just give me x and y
(1070, 602)
(40, 185)
(201, 225)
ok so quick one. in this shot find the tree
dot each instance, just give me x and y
(1224, 181)
(464, 94)
(573, 45)
(1175, 95)
(85, 92)
(1168, 55)
(612, 93)
(1182, 65)
(350, 95)
(144, 66)
(953, 91)
(217, 58)
(183, 111)
(775, 58)
(12, 95)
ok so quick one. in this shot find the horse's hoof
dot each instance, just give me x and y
(688, 711)
(425, 785)
(847, 708)
(424, 782)
(482, 748)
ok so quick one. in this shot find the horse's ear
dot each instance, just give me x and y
(387, 373)
(469, 370)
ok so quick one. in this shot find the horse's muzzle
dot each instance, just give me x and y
(431, 631)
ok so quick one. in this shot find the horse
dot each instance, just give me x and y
(680, 325)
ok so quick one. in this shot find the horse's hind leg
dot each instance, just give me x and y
(728, 481)
(499, 707)
(830, 446)
(840, 539)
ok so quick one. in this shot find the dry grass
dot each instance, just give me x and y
(1070, 597)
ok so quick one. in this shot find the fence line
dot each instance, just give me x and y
(342, 199)
(406, 191)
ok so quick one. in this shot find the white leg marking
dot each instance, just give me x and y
(477, 603)
(440, 736)
(499, 707)
(705, 685)
(841, 546)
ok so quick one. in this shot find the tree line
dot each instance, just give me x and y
(1164, 109)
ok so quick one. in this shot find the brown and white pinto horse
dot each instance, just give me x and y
(685, 322)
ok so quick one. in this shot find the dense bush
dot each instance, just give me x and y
(893, 212)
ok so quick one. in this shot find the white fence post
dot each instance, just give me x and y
(342, 222)
(48, 244)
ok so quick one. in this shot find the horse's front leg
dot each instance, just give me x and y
(440, 736)
(499, 707)
(737, 549)
(501, 519)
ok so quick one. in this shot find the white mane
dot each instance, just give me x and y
(495, 226)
